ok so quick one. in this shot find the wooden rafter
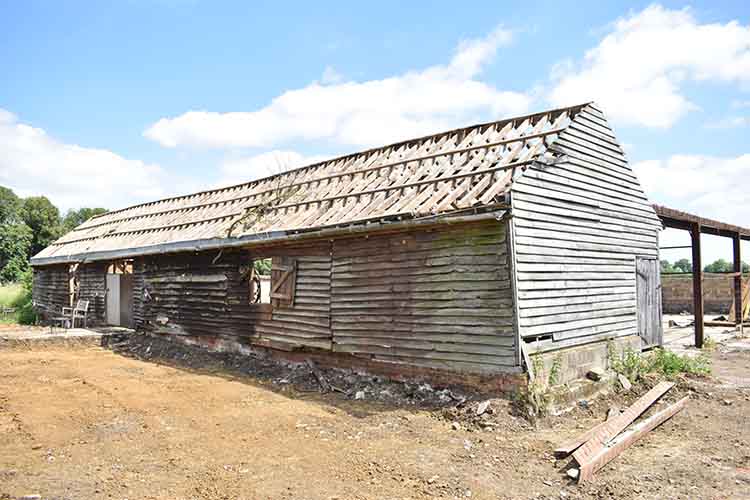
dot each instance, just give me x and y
(456, 170)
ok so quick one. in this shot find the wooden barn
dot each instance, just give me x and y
(461, 254)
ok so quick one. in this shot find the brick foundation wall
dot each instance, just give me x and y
(677, 293)
(575, 362)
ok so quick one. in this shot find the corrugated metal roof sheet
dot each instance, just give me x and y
(444, 173)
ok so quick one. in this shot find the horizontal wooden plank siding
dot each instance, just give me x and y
(439, 298)
(578, 226)
(92, 287)
(307, 322)
(205, 294)
(188, 294)
(51, 287)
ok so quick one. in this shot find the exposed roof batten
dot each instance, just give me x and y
(441, 174)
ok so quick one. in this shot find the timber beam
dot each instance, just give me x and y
(695, 237)
(737, 261)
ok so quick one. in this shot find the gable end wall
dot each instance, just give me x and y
(578, 226)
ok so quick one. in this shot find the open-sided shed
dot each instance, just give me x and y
(463, 252)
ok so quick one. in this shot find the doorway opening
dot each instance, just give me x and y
(119, 293)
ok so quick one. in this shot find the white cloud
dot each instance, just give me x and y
(637, 70)
(245, 169)
(33, 163)
(358, 113)
(730, 122)
(708, 186)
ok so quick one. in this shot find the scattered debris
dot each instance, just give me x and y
(324, 385)
(456, 426)
(573, 473)
(624, 382)
(482, 408)
(595, 374)
(682, 323)
(613, 412)
(293, 376)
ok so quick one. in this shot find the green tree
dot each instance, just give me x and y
(10, 206)
(44, 220)
(683, 266)
(719, 266)
(262, 266)
(15, 242)
(74, 218)
(745, 267)
(666, 267)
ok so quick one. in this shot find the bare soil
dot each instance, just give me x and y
(153, 421)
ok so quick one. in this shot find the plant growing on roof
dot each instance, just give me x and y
(281, 192)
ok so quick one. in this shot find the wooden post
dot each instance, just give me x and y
(738, 305)
(695, 236)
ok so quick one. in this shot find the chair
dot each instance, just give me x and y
(79, 312)
(70, 314)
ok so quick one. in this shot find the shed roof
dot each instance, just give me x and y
(448, 173)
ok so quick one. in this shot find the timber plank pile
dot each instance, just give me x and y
(598, 446)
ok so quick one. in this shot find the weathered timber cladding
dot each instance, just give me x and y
(578, 226)
(92, 287)
(307, 323)
(200, 294)
(439, 298)
(189, 294)
(139, 317)
(52, 287)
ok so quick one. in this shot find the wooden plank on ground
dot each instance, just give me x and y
(593, 447)
(613, 449)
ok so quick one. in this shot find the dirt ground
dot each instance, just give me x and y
(85, 422)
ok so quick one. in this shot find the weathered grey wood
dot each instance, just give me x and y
(560, 319)
(579, 226)
(595, 293)
(586, 306)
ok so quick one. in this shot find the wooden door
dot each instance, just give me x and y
(126, 300)
(113, 299)
(648, 285)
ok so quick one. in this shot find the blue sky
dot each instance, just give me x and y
(101, 93)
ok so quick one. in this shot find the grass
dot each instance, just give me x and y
(18, 296)
(635, 366)
(10, 294)
(536, 398)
